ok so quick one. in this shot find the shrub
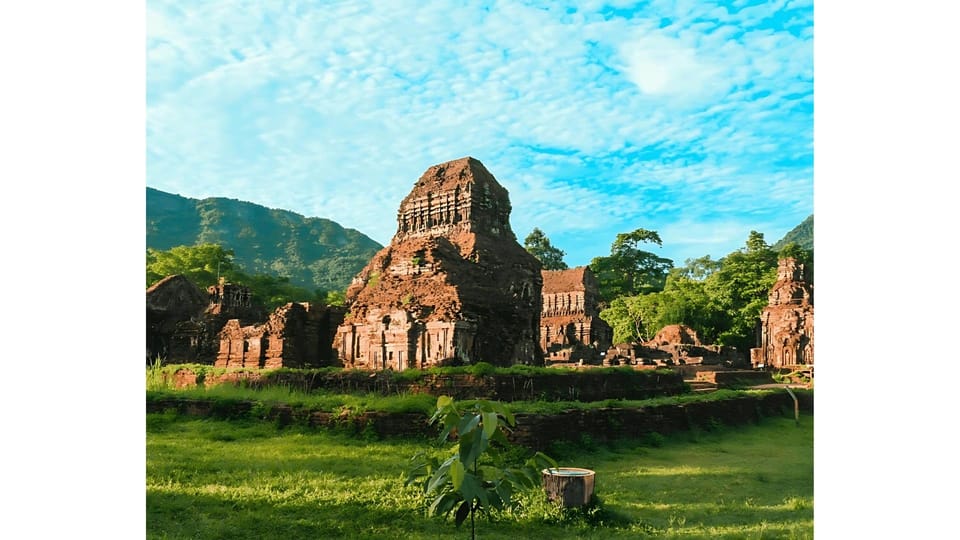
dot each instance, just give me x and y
(476, 477)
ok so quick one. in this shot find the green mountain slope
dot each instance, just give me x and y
(315, 253)
(802, 234)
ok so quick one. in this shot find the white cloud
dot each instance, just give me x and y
(663, 66)
(592, 122)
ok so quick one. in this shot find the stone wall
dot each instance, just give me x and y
(184, 323)
(581, 386)
(536, 431)
(296, 335)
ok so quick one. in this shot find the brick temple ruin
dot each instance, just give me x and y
(570, 325)
(296, 335)
(453, 285)
(225, 327)
(786, 324)
(183, 321)
(674, 344)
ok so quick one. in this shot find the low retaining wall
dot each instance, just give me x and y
(537, 431)
(579, 386)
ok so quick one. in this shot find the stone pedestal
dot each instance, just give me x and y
(570, 486)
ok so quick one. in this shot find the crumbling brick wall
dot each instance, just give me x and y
(786, 335)
(453, 286)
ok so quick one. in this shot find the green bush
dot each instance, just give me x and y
(476, 477)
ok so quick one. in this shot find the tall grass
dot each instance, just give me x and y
(424, 403)
(244, 480)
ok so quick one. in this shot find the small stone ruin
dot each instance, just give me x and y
(571, 329)
(453, 285)
(296, 335)
(224, 327)
(786, 335)
(183, 321)
(674, 344)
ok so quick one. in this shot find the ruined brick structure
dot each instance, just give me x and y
(296, 335)
(174, 307)
(453, 285)
(570, 325)
(786, 324)
(183, 322)
(228, 298)
(675, 344)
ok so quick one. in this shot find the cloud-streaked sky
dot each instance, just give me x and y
(690, 118)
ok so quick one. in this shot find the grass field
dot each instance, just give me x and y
(235, 480)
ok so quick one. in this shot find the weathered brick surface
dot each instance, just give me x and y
(582, 386)
(787, 322)
(570, 325)
(452, 285)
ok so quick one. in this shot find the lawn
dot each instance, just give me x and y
(247, 479)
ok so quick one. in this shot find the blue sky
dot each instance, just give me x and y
(690, 118)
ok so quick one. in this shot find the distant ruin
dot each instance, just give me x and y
(225, 327)
(571, 329)
(183, 321)
(453, 286)
(786, 324)
(296, 335)
(674, 344)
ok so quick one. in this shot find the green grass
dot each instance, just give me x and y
(234, 480)
(423, 403)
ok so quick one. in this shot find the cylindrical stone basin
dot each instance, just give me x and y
(571, 486)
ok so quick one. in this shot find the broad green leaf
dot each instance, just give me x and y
(441, 476)
(490, 424)
(467, 424)
(472, 446)
(456, 474)
(472, 489)
(443, 504)
(462, 513)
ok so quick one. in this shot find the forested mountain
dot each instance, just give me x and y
(315, 253)
(802, 235)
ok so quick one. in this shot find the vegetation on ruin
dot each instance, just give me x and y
(414, 375)
(243, 479)
(204, 264)
(159, 388)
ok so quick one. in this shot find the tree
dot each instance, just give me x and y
(538, 245)
(629, 271)
(683, 300)
(202, 264)
(740, 289)
(476, 477)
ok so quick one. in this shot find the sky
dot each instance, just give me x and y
(690, 118)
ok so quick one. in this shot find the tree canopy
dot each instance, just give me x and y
(538, 245)
(628, 270)
(721, 300)
(203, 264)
